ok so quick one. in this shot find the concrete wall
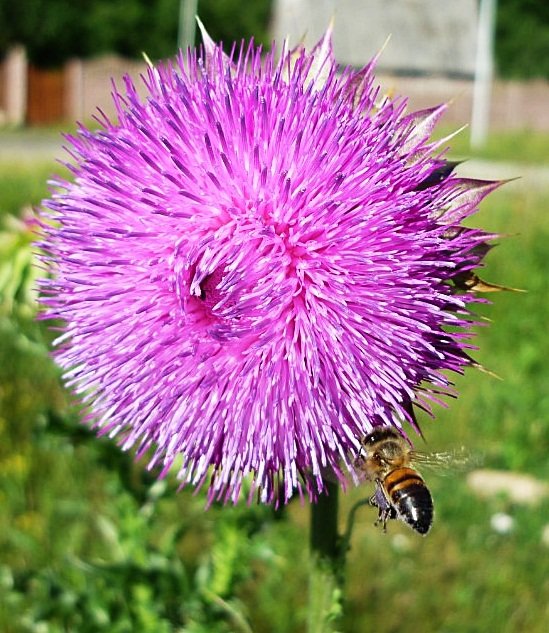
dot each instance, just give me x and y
(427, 36)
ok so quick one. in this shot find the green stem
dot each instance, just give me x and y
(238, 620)
(345, 542)
(326, 566)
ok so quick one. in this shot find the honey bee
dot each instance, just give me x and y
(401, 493)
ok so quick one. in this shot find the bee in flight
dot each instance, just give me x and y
(401, 493)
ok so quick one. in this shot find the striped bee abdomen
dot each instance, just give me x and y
(411, 497)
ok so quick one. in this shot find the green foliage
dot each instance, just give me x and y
(56, 30)
(51, 30)
(91, 542)
(18, 274)
(234, 20)
(522, 38)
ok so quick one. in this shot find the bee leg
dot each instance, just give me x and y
(382, 515)
(381, 521)
(386, 512)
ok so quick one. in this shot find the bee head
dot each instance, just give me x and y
(380, 434)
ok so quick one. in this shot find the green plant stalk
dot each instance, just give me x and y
(326, 565)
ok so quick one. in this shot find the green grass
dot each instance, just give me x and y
(522, 146)
(24, 183)
(88, 543)
(464, 576)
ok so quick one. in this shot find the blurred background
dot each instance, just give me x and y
(89, 541)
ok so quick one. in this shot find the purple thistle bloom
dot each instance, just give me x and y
(254, 267)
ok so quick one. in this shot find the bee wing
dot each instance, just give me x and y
(446, 461)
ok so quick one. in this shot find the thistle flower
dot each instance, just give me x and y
(253, 267)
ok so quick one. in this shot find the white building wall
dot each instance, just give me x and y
(426, 36)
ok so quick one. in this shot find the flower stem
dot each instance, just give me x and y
(326, 565)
